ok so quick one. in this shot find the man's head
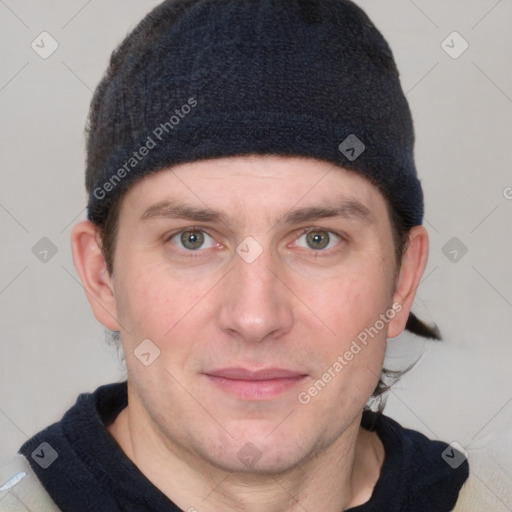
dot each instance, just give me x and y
(230, 264)
(254, 206)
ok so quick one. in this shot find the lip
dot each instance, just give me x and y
(264, 384)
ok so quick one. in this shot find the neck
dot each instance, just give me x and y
(339, 476)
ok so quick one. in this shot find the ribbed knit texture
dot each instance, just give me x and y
(236, 77)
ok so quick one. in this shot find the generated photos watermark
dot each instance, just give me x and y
(304, 397)
(157, 135)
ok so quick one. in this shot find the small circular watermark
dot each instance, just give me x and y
(507, 193)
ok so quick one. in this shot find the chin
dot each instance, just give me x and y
(264, 453)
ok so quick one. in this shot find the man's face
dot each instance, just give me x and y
(250, 291)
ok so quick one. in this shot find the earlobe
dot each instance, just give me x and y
(413, 265)
(92, 269)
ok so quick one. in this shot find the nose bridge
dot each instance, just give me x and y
(255, 268)
(255, 301)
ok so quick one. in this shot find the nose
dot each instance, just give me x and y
(255, 303)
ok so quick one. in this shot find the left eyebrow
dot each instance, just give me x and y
(347, 209)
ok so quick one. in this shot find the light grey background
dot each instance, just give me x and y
(52, 348)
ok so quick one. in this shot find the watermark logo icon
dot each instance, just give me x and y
(454, 249)
(44, 455)
(44, 45)
(454, 45)
(249, 250)
(249, 455)
(352, 147)
(44, 250)
(454, 455)
(147, 352)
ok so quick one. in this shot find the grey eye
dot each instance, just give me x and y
(318, 239)
(192, 239)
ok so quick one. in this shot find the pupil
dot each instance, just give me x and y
(192, 239)
(316, 240)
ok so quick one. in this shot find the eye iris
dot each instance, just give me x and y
(316, 239)
(192, 239)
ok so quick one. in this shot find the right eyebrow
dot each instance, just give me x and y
(178, 210)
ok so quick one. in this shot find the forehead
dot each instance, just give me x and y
(263, 186)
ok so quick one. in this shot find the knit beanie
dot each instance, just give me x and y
(200, 79)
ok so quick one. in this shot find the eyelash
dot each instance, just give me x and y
(343, 238)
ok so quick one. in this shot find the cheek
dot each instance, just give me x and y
(354, 345)
(351, 302)
(152, 303)
(144, 301)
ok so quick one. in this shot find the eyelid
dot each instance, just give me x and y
(319, 228)
(177, 231)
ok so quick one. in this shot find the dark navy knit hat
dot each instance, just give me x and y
(199, 79)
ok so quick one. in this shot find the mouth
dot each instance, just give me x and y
(257, 385)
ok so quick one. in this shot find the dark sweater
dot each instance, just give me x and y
(92, 474)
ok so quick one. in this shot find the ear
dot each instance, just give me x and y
(92, 269)
(413, 264)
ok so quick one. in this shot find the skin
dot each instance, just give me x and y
(295, 306)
